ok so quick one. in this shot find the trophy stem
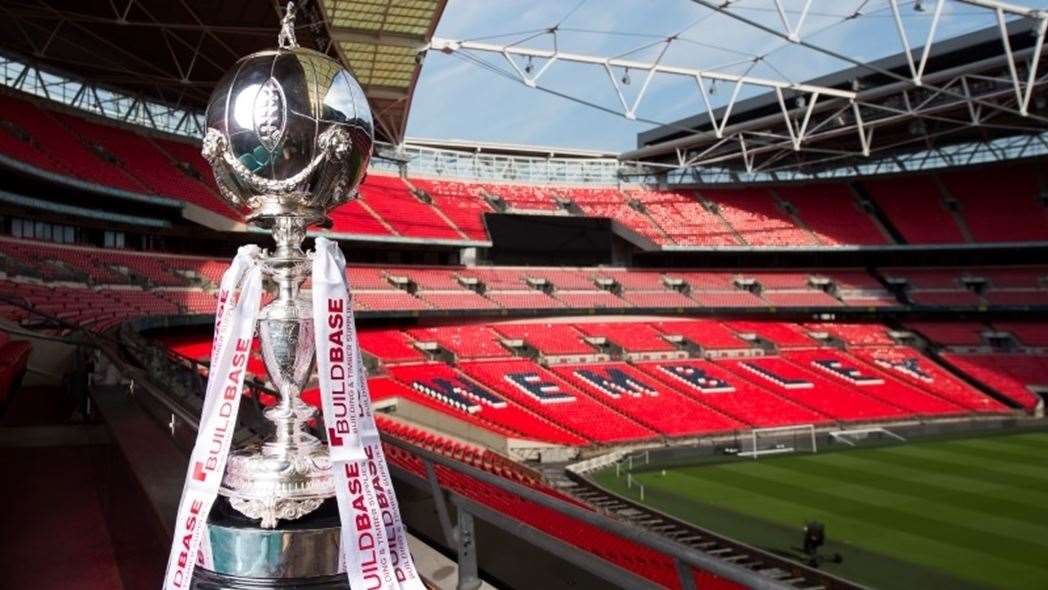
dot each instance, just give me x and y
(289, 475)
(288, 266)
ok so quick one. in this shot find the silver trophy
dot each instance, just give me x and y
(289, 137)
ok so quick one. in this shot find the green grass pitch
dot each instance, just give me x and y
(969, 513)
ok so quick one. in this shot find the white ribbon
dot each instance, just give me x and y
(234, 330)
(374, 544)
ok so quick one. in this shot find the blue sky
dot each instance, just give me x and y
(458, 99)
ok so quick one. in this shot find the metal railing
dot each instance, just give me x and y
(460, 535)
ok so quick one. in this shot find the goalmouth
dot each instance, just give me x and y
(779, 440)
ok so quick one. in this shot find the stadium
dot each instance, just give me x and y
(693, 295)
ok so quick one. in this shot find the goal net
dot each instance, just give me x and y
(856, 436)
(775, 441)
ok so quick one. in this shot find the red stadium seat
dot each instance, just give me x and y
(757, 218)
(719, 389)
(549, 395)
(646, 400)
(838, 401)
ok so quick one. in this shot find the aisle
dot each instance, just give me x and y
(53, 533)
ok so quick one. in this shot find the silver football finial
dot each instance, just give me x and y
(289, 137)
(286, 38)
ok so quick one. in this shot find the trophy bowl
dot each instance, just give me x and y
(289, 134)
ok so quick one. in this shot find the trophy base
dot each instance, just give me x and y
(303, 553)
(208, 580)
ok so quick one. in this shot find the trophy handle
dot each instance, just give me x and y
(335, 146)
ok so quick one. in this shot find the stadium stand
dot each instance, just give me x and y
(547, 338)
(520, 197)
(1004, 207)
(459, 202)
(646, 400)
(632, 337)
(356, 218)
(467, 342)
(872, 382)
(1010, 374)
(950, 333)
(915, 206)
(854, 334)
(708, 334)
(62, 152)
(390, 345)
(781, 334)
(186, 282)
(1030, 334)
(758, 218)
(717, 388)
(612, 204)
(608, 402)
(443, 209)
(918, 370)
(590, 299)
(466, 452)
(683, 219)
(552, 397)
(391, 199)
(439, 387)
(840, 402)
(832, 213)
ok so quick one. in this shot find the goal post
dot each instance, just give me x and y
(779, 440)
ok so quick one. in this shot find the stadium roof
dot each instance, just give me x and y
(882, 77)
(379, 40)
(175, 51)
(971, 98)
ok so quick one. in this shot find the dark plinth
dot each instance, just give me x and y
(302, 553)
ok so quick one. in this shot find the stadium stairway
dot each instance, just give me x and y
(880, 218)
(57, 491)
(953, 208)
(970, 380)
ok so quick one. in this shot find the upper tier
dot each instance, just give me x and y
(958, 207)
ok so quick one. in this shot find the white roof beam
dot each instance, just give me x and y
(1007, 7)
(452, 46)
